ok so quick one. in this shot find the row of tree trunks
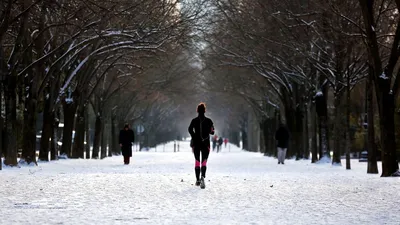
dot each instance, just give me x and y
(383, 77)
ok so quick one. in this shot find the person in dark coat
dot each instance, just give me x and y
(200, 129)
(126, 138)
(219, 147)
(282, 136)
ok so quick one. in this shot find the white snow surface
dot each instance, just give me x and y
(158, 188)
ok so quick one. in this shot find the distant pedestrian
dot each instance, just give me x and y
(282, 136)
(225, 141)
(126, 138)
(200, 129)
(214, 141)
(219, 147)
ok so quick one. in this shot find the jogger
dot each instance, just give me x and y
(200, 166)
(200, 129)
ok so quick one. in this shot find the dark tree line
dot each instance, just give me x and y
(89, 65)
(299, 62)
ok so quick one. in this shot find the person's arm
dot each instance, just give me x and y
(133, 136)
(190, 129)
(212, 127)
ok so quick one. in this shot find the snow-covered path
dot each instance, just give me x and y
(158, 188)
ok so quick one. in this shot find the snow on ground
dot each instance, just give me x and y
(158, 188)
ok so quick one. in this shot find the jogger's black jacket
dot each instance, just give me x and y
(200, 129)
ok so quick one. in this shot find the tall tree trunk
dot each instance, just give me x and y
(347, 125)
(338, 130)
(298, 133)
(244, 139)
(372, 148)
(306, 141)
(322, 111)
(1, 121)
(48, 119)
(314, 132)
(386, 115)
(32, 80)
(87, 132)
(55, 135)
(29, 131)
(290, 115)
(278, 120)
(11, 122)
(103, 152)
(324, 137)
(114, 138)
(69, 117)
(97, 136)
(110, 138)
(271, 136)
(79, 139)
(265, 131)
(30, 115)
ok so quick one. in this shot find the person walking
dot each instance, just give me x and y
(126, 138)
(220, 141)
(225, 141)
(282, 136)
(200, 129)
(214, 140)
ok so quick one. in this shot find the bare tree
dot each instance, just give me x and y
(378, 16)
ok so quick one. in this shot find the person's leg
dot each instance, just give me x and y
(205, 151)
(283, 155)
(279, 155)
(196, 153)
